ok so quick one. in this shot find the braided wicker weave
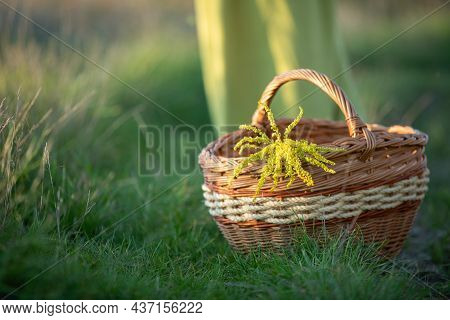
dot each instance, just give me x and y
(381, 178)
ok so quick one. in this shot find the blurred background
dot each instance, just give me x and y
(69, 159)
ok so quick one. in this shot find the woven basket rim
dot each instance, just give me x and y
(388, 134)
(397, 155)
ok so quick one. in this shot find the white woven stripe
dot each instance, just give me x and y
(340, 205)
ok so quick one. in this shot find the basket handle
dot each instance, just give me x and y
(355, 125)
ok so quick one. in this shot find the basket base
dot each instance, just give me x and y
(388, 227)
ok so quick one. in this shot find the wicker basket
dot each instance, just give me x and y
(381, 178)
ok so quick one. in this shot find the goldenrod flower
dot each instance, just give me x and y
(283, 156)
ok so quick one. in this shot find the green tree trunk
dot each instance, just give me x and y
(243, 44)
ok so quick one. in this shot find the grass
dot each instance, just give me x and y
(74, 205)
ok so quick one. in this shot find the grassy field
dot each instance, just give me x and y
(77, 219)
